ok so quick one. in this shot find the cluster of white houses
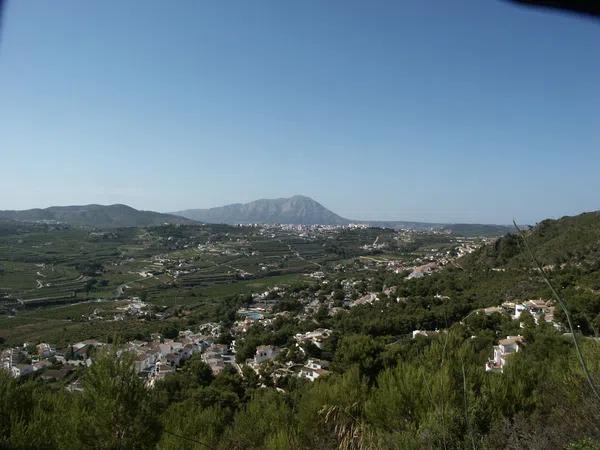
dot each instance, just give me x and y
(25, 360)
(311, 370)
(159, 358)
(541, 310)
(155, 360)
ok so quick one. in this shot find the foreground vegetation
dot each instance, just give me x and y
(422, 394)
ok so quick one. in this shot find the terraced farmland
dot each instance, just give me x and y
(51, 277)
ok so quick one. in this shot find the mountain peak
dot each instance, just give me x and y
(301, 197)
(298, 209)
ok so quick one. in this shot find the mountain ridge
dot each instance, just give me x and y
(297, 210)
(311, 212)
(94, 216)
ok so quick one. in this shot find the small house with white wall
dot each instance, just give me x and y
(503, 351)
(265, 353)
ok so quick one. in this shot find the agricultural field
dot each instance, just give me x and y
(58, 282)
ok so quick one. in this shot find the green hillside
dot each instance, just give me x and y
(569, 240)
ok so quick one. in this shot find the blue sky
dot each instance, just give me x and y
(461, 111)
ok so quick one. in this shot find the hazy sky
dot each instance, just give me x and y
(474, 110)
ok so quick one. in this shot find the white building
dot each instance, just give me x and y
(265, 353)
(539, 310)
(44, 350)
(313, 369)
(367, 299)
(317, 337)
(145, 360)
(502, 351)
(215, 356)
(19, 370)
(426, 333)
(317, 364)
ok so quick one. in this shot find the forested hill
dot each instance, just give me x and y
(94, 216)
(571, 239)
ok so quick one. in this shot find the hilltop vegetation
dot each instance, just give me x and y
(569, 240)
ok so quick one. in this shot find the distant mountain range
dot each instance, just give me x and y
(298, 210)
(303, 210)
(96, 216)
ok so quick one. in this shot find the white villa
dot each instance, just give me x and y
(313, 369)
(539, 310)
(265, 353)
(502, 351)
(426, 333)
(317, 337)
